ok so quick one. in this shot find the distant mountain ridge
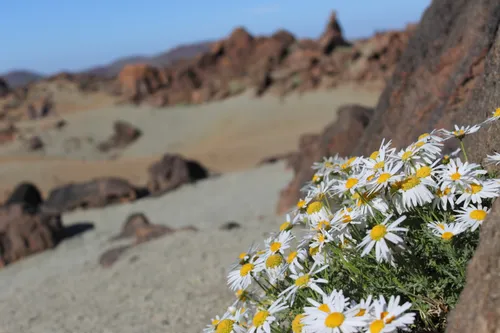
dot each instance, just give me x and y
(18, 78)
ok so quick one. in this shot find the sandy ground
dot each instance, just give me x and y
(230, 135)
(173, 284)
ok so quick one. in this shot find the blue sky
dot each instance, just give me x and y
(53, 35)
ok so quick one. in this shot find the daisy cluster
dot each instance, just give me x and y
(361, 252)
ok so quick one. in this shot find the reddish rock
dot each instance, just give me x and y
(332, 36)
(24, 232)
(172, 171)
(337, 138)
(99, 192)
(140, 80)
(124, 134)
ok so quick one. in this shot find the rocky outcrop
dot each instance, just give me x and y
(95, 193)
(124, 134)
(24, 231)
(332, 36)
(172, 171)
(436, 74)
(138, 227)
(25, 193)
(140, 80)
(337, 138)
(4, 88)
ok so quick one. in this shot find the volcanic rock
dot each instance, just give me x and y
(124, 134)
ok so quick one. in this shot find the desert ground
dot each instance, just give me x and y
(178, 282)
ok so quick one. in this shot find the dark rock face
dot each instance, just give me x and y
(434, 79)
(95, 193)
(173, 171)
(340, 137)
(124, 134)
(25, 193)
(4, 88)
(24, 232)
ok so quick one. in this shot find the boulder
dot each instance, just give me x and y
(124, 134)
(34, 143)
(436, 73)
(4, 88)
(8, 133)
(140, 80)
(99, 192)
(338, 137)
(25, 193)
(172, 171)
(24, 232)
(332, 36)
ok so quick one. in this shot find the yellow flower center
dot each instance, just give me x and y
(346, 218)
(260, 318)
(297, 323)
(459, 133)
(496, 113)
(329, 165)
(410, 183)
(314, 207)
(323, 225)
(378, 232)
(374, 155)
(423, 136)
(334, 319)
(225, 326)
(383, 178)
(275, 247)
(377, 326)
(284, 226)
(474, 188)
(291, 256)
(407, 155)
(456, 176)
(302, 281)
(360, 313)
(419, 144)
(301, 204)
(379, 165)
(313, 250)
(350, 183)
(370, 177)
(387, 320)
(215, 322)
(447, 235)
(242, 255)
(440, 226)
(478, 214)
(424, 171)
(352, 159)
(274, 261)
(316, 178)
(324, 308)
(443, 193)
(245, 269)
(321, 238)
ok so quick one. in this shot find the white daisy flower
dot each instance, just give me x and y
(387, 175)
(415, 191)
(332, 317)
(460, 132)
(478, 191)
(447, 230)
(493, 159)
(241, 277)
(495, 115)
(350, 185)
(347, 216)
(379, 234)
(380, 157)
(230, 323)
(390, 317)
(278, 244)
(430, 145)
(327, 299)
(298, 324)
(295, 258)
(409, 156)
(443, 198)
(472, 215)
(304, 280)
(459, 175)
(262, 320)
(363, 309)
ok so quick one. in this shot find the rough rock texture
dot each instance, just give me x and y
(332, 36)
(337, 138)
(24, 232)
(172, 171)
(95, 193)
(139, 80)
(34, 143)
(8, 133)
(124, 134)
(137, 225)
(436, 74)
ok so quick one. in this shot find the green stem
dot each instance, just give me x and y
(463, 150)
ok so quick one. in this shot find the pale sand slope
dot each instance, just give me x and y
(233, 134)
(177, 282)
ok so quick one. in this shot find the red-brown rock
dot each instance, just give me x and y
(337, 138)
(124, 134)
(140, 80)
(332, 36)
(172, 171)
